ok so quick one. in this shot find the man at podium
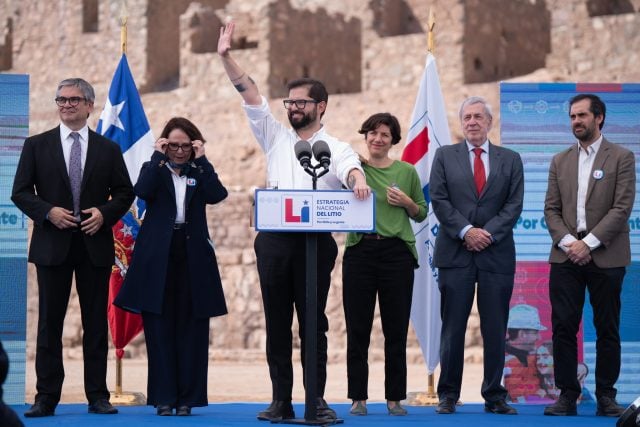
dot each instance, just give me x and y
(281, 256)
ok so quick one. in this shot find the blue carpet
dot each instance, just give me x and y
(244, 414)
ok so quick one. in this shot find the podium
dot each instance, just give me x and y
(312, 212)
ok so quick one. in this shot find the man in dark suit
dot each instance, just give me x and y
(74, 185)
(590, 195)
(476, 191)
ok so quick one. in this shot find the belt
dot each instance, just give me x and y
(179, 226)
(373, 236)
(582, 234)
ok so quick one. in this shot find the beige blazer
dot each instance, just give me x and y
(608, 204)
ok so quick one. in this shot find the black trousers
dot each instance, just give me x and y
(457, 288)
(567, 284)
(54, 288)
(177, 342)
(382, 268)
(281, 259)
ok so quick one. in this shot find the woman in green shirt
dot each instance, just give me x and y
(381, 264)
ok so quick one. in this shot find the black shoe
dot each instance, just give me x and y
(164, 410)
(278, 410)
(446, 405)
(564, 406)
(323, 412)
(500, 407)
(608, 407)
(102, 406)
(40, 409)
(183, 411)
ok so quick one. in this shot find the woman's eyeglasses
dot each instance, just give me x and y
(175, 146)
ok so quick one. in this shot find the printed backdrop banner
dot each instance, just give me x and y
(14, 128)
(535, 122)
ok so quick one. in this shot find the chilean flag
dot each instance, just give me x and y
(428, 131)
(123, 121)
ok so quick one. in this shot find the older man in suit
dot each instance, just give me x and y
(74, 185)
(589, 199)
(476, 191)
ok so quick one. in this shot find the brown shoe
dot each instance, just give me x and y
(446, 405)
(500, 407)
(103, 407)
(278, 410)
(608, 407)
(563, 407)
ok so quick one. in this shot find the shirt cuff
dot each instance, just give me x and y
(256, 112)
(464, 231)
(591, 241)
(568, 238)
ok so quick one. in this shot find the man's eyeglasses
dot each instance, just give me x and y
(175, 146)
(300, 103)
(73, 101)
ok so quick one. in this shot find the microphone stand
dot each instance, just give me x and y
(311, 327)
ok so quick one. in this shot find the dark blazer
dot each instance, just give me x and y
(608, 204)
(42, 182)
(144, 283)
(456, 204)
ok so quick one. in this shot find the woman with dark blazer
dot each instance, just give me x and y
(173, 280)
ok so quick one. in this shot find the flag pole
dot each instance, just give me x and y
(431, 395)
(119, 397)
(428, 398)
(123, 28)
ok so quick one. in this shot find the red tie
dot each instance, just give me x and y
(478, 170)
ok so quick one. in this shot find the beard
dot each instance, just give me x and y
(585, 133)
(298, 122)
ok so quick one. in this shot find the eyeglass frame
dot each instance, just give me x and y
(304, 102)
(174, 147)
(73, 101)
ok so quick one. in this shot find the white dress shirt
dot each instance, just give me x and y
(67, 142)
(278, 140)
(180, 186)
(586, 157)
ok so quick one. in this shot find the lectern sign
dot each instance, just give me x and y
(302, 210)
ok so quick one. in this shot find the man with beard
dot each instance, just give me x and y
(589, 199)
(281, 256)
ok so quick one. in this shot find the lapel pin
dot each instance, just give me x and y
(598, 174)
(191, 182)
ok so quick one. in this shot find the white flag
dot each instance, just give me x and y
(429, 130)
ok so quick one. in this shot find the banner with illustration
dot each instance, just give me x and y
(535, 122)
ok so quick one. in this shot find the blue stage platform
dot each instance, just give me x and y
(244, 414)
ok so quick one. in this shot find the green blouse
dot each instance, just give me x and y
(393, 221)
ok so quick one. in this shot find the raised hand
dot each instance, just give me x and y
(224, 42)
(161, 145)
(198, 148)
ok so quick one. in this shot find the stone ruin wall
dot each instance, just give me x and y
(371, 55)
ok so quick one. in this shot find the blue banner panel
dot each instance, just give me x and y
(535, 122)
(14, 128)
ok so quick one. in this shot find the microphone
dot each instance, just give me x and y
(302, 149)
(322, 153)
